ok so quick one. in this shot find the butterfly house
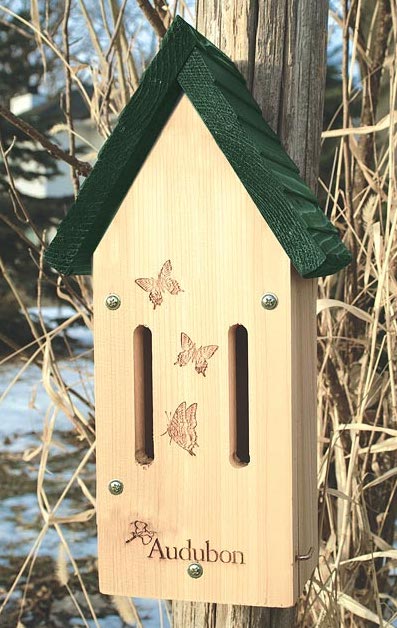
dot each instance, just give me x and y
(204, 245)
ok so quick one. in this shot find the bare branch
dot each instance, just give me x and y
(152, 17)
(82, 167)
(68, 94)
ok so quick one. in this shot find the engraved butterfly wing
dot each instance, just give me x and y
(182, 427)
(156, 287)
(165, 280)
(153, 287)
(202, 357)
(188, 350)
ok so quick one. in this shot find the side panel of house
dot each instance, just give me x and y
(304, 408)
(189, 241)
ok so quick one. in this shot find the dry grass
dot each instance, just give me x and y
(357, 425)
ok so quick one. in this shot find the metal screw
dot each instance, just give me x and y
(269, 301)
(116, 487)
(195, 570)
(113, 302)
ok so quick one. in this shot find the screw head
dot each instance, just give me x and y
(195, 570)
(113, 302)
(116, 487)
(269, 301)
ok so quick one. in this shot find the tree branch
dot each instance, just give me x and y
(371, 73)
(152, 17)
(82, 167)
(68, 94)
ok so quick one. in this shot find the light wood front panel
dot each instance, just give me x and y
(188, 206)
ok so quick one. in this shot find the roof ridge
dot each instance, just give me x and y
(188, 62)
(202, 41)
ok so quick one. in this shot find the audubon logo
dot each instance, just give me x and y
(207, 554)
(140, 530)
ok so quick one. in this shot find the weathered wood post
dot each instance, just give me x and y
(280, 48)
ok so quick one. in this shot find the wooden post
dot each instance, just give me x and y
(279, 46)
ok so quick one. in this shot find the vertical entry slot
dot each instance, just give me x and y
(143, 395)
(238, 396)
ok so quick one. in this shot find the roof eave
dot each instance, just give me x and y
(183, 64)
(139, 125)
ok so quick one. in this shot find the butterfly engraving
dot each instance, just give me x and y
(139, 530)
(182, 427)
(156, 287)
(191, 353)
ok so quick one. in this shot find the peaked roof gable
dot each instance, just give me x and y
(188, 63)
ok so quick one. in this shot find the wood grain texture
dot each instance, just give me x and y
(304, 423)
(224, 259)
(281, 51)
(289, 79)
(281, 44)
(218, 22)
(188, 615)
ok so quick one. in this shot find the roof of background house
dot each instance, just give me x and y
(52, 111)
(188, 63)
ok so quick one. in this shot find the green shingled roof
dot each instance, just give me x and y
(188, 63)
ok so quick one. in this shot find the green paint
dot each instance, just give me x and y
(188, 63)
